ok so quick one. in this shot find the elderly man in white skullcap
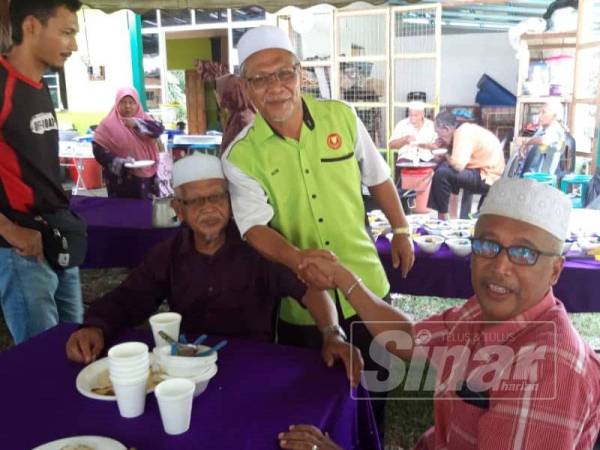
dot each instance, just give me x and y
(512, 372)
(416, 129)
(542, 152)
(218, 283)
(295, 176)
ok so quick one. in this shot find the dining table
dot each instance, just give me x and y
(120, 232)
(443, 274)
(260, 389)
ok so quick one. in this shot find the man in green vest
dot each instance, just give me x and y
(295, 177)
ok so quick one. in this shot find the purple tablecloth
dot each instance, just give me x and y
(444, 275)
(120, 230)
(259, 390)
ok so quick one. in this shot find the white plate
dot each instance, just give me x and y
(439, 151)
(87, 379)
(139, 164)
(95, 442)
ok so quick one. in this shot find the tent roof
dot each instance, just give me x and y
(140, 6)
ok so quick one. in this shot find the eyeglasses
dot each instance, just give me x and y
(199, 202)
(520, 255)
(284, 75)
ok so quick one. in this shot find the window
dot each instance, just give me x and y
(149, 19)
(52, 80)
(249, 13)
(176, 18)
(211, 16)
(151, 62)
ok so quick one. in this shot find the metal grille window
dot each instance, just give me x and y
(362, 67)
(416, 58)
(311, 35)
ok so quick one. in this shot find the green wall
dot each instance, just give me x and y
(181, 53)
(81, 120)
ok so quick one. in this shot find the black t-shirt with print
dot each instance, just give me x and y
(29, 165)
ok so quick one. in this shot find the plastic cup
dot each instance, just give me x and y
(128, 353)
(175, 398)
(168, 322)
(131, 395)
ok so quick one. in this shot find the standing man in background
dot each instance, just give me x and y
(34, 295)
(295, 178)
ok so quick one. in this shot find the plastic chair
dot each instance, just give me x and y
(576, 186)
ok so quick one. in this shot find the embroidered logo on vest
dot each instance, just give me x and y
(334, 141)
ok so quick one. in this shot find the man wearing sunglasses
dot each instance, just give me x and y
(513, 373)
(219, 284)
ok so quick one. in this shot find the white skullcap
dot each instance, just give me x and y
(531, 202)
(196, 167)
(263, 38)
(416, 105)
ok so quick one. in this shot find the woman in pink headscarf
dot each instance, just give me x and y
(126, 137)
(231, 97)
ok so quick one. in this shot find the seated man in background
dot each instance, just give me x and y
(474, 163)
(416, 129)
(513, 372)
(218, 283)
(548, 140)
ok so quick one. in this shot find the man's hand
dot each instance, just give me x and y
(403, 253)
(311, 274)
(336, 349)
(306, 437)
(85, 344)
(26, 241)
(401, 142)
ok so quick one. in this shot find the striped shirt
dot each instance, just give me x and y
(540, 389)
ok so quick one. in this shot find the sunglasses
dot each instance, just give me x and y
(517, 254)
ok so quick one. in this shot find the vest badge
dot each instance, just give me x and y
(334, 141)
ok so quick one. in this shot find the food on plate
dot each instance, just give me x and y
(104, 386)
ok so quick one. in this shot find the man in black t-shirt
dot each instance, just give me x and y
(34, 296)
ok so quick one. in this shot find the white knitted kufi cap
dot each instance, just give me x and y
(531, 202)
(416, 105)
(263, 38)
(196, 167)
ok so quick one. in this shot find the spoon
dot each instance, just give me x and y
(218, 346)
(180, 349)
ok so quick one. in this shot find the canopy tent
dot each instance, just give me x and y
(270, 5)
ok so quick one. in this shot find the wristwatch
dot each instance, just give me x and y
(333, 329)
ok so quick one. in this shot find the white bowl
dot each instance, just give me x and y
(566, 247)
(201, 380)
(436, 229)
(459, 246)
(429, 244)
(183, 366)
(456, 234)
(587, 244)
(461, 224)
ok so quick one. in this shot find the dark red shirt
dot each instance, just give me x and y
(234, 292)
